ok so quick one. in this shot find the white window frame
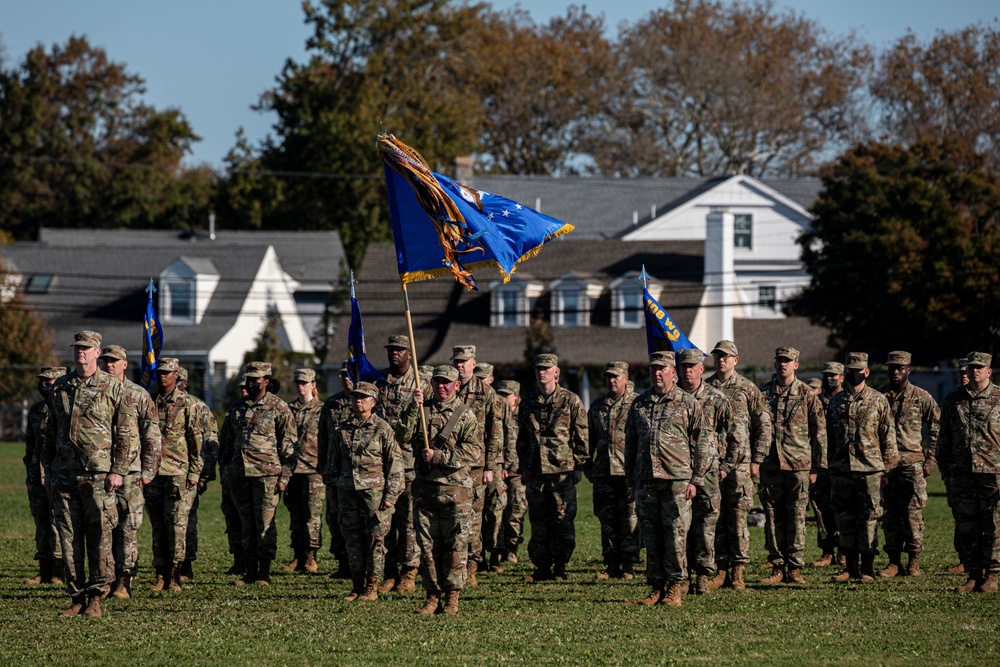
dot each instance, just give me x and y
(748, 232)
(761, 299)
(168, 285)
(527, 292)
(588, 295)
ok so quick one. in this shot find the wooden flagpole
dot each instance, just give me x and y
(413, 359)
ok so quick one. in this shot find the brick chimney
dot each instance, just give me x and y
(461, 168)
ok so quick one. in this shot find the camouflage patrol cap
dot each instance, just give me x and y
(257, 369)
(483, 370)
(86, 339)
(815, 383)
(182, 374)
(616, 368)
(963, 363)
(304, 375)
(786, 352)
(114, 352)
(51, 372)
(365, 389)
(463, 352)
(979, 359)
(899, 358)
(662, 358)
(726, 347)
(691, 356)
(546, 360)
(449, 373)
(168, 365)
(508, 387)
(343, 367)
(833, 367)
(399, 340)
(856, 361)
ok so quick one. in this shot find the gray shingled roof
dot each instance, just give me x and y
(444, 314)
(758, 339)
(309, 257)
(102, 289)
(601, 207)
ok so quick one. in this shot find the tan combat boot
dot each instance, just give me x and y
(357, 589)
(93, 606)
(776, 577)
(451, 602)
(430, 604)
(174, 582)
(720, 576)
(989, 584)
(701, 585)
(250, 575)
(628, 571)
(559, 572)
(913, 566)
(893, 568)
(123, 591)
(370, 593)
(654, 597)
(295, 563)
(795, 576)
(185, 571)
(75, 608)
(311, 565)
(161, 580)
(736, 578)
(470, 577)
(495, 559)
(841, 558)
(672, 598)
(510, 557)
(956, 569)
(391, 578)
(868, 569)
(407, 580)
(263, 572)
(540, 574)
(825, 560)
(972, 584)
(44, 575)
(850, 571)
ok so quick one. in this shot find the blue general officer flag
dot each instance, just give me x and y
(357, 363)
(661, 331)
(442, 227)
(152, 342)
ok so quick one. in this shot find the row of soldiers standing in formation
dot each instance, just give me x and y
(677, 460)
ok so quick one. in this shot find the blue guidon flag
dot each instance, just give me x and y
(661, 331)
(152, 342)
(359, 369)
(442, 227)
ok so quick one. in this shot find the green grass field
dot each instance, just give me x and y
(302, 620)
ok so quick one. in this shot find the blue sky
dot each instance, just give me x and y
(213, 58)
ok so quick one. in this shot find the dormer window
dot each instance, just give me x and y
(186, 287)
(627, 307)
(511, 303)
(572, 300)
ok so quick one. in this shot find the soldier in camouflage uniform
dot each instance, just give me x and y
(170, 494)
(797, 453)
(728, 451)
(963, 379)
(512, 522)
(139, 412)
(905, 492)
(395, 394)
(48, 551)
(552, 446)
(304, 497)
(231, 513)
(753, 422)
(209, 458)
(862, 438)
(484, 372)
(486, 407)
(442, 489)
(821, 491)
(666, 458)
(496, 491)
(258, 442)
(86, 459)
(336, 409)
(968, 453)
(366, 466)
(614, 506)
